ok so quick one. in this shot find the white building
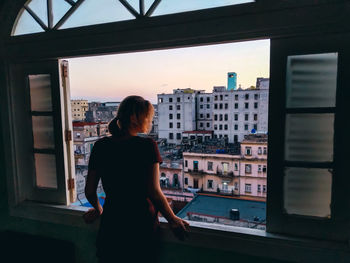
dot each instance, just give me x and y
(230, 114)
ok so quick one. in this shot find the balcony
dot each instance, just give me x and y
(196, 172)
(222, 174)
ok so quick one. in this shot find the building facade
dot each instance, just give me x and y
(79, 109)
(241, 175)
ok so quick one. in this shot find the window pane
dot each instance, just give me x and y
(39, 7)
(309, 137)
(312, 80)
(175, 6)
(43, 132)
(40, 92)
(308, 192)
(135, 4)
(59, 9)
(98, 12)
(45, 168)
(26, 24)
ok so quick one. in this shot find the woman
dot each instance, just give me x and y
(128, 166)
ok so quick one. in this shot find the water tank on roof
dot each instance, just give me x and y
(234, 214)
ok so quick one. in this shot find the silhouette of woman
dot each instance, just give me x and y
(128, 166)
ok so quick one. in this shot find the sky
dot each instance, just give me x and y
(113, 77)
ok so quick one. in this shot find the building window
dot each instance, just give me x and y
(216, 106)
(186, 163)
(236, 166)
(171, 136)
(210, 166)
(236, 186)
(265, 150)
(220, 117)
(208, 124)
(178, 136)
(248, 168)
(178, 99)
(259, 151)
(226, 106)
(248, 188)
(255, 117)
(220, 106)
(215, 117)
(170, 125)
(236, 105)
(248, 150)
(170, 107)
(208, 106)
(246, 127)
(201, 99)
(236, 127)
(201, 106)
(170, 116)
(208, 116)
(201, 124)
(236, 117)
(208, 100)
(264, 169)
(178, 116)
(236, 96)
(256, 96)
(246, 105)
(259, 168)
(201, 116)
(216, 97)
(255, 126)
(178, 125)
(210, 184)
(195, 165)
(170, 99)
(221, 97)
(247, 96)
(246, 117)
(226, 117)
(264, 188)
(186, 180)
(225, 126)
(215, 127)
(259, 188)
(220, 127)
(178, 107)
(255, 105)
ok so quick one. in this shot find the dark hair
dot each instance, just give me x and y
(133, 112)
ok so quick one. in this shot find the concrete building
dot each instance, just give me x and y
(176, 114)
(101, 111)
(79, 108)
(242, 175)
(231, 114)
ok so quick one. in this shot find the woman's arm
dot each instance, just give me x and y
(91, 184)
(179, 226)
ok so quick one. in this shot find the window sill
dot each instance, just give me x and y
(240, 240)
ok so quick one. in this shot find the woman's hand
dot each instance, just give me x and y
(92, 214)
(179, 227)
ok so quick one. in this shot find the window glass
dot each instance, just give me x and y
(43, 132)
(59, 9)
(26, 24)
(309, 137)
(307, 191)
(39, 7)
(45, 170)
(40, 92)
(312, 80)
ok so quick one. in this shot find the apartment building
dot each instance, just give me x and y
(231, 114)
(241, 175)
(79, 109)
(176, 114)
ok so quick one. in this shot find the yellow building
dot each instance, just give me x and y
(79, 107)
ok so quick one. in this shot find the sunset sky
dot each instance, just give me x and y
(113, 77)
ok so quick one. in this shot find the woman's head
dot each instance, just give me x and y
(134, 114)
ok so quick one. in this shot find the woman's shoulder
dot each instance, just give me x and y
(103, 141)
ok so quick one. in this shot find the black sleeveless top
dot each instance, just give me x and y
(128, 215)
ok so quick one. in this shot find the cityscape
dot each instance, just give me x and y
(213, 146)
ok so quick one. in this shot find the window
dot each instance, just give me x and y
(171, 136)
(255, 117)
(259, 151)
(170, 99)
(221, 97)
(220, 127)
(186, 163)
(226, 106)
(236, 186)
(215, 117)
(255, 105)
(208, 124)
(246, 127)
(208, 106)
(170, 107)
(236, 117)
(216, 97)
(248, 150)
(248, 168)
(236, 166)
(246, 96)
(170, 116)
(220, 117)
(236, 96)
(264, 169)
(246, 117)
(195, 165)
(215, 127)
(178, 99)
(259, 188)
(178, 125)
(225, 126)
(248, 188)
(208, 100)
(201, 99)
(259, 168)
(178, 116)
(170, 125)
(178, 107)
(178, 136)
(246, 105)
(208, 116)
(236, 105)
(255, 126)
(265, 150)
(236, 127)
(216, 106)
(210, 184)
(256, 96)
(210, 166)
(201, 124)
(226, 117)
(186, 180)
(220, 106)
(264, 188)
